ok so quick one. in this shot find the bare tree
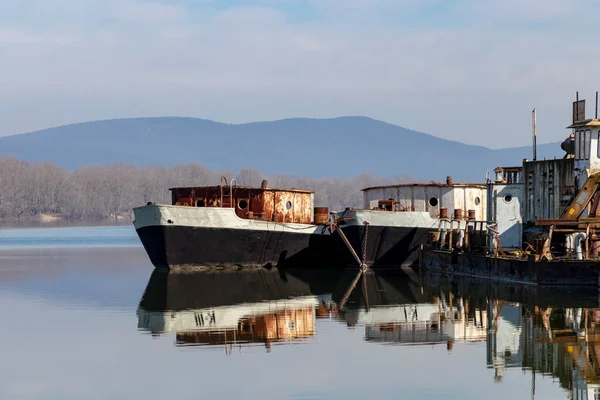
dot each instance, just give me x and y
(31, 189)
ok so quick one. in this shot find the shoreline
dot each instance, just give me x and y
(62, 223)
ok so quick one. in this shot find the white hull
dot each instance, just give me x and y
(212, 217)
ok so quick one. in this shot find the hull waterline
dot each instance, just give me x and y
(176, 236)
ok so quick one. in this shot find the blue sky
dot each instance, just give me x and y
(464, 70)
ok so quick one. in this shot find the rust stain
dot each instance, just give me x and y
(261, 203)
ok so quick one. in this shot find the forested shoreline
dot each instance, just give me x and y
(31, 190)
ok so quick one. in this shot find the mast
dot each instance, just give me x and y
(533, 121)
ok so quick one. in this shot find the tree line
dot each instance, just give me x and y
(28, 189)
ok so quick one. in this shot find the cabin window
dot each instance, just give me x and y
(200, 203)
(508, 198)
(242, 204)
(433, 202)
(477, 201)
(587, 143)
(288, 205)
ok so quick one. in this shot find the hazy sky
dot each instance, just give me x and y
(465, 70)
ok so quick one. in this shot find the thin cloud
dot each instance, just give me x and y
(20, 37)
(256, 62)
(149, 12)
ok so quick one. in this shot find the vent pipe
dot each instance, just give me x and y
(534, 123)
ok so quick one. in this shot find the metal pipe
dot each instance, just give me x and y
(461, 238)
(569, 243)
(578, 248)
(231, 202)
(534, 123)
(442, 237)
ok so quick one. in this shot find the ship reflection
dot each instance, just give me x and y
(548, 331)
(232, 308)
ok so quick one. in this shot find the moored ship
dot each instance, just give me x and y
(235, 226)
(397, 219)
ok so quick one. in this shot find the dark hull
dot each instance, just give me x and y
(188, 290)
(387, 246)
(184, 246)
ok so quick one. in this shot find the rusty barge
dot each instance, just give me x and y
(235, 226)
(396, 220)
(239, 226)
(543, 219)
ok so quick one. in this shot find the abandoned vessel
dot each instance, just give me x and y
(397, 219)
(229, 225)
(543, 218)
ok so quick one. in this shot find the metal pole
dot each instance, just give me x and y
(534, 122)
(596, 116)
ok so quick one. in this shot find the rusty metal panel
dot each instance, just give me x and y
(267, 203)
(549, 185)
(578, 110)
(281, 205)
(278, 207)
(321, 215)
(299, 210)
(307, 215)
(292, 207)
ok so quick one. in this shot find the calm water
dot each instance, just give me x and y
(85, 316)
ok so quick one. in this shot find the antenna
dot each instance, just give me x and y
(596, 116)
(533, 122)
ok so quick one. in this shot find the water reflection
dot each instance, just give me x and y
(546, 330)
(230, 307)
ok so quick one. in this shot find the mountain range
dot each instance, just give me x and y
(336, 147)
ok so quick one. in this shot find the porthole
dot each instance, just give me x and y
(477, 201)
(288, 205)
(200, 203)
(242, 204)
(508, 198)
(433, 202)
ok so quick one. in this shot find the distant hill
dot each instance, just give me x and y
(339, 147)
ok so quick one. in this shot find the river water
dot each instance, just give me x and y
(86, 317)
